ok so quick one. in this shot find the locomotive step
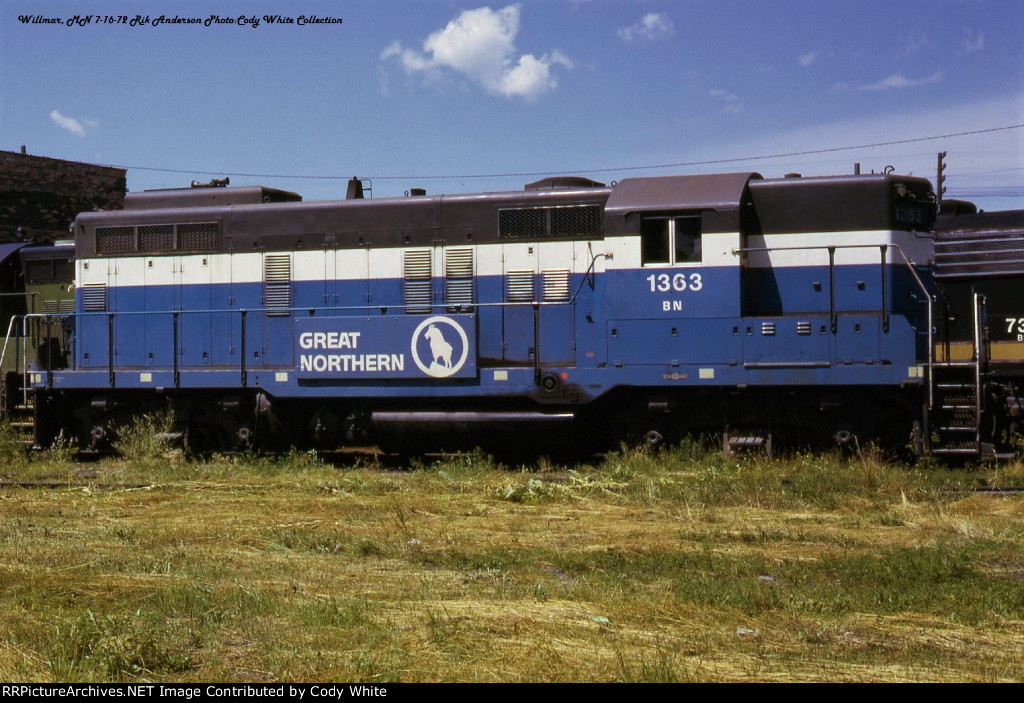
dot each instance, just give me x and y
(746, 442)
(951, 451)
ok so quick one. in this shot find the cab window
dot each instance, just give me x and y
(672, 239)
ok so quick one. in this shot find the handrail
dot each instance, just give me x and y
(979, 360)
(26, 381)
(3, 352)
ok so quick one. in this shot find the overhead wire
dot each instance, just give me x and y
(524, 174)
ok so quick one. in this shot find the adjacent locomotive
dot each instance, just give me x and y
(794, 309)
(36, 296)
(979, 358)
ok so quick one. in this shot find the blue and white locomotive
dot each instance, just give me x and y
(794, 309)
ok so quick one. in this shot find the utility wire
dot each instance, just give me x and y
(708, 162)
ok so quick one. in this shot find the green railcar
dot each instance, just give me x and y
(37, 298)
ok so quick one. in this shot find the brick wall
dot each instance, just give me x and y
(43, 195)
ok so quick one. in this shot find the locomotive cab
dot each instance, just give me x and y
(775, 288)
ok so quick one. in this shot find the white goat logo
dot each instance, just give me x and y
(440, 350)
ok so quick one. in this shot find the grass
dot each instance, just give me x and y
(678, 565)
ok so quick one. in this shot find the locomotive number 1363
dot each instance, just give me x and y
(663, 282)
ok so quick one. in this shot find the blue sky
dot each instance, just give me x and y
(450, 96)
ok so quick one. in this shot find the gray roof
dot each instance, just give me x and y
(721, 191)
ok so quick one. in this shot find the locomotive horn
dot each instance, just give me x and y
(214, 183)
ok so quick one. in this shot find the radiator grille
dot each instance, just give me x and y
(154, 238)
(201, 236)
(518, 224)
(115, 240)
(536, 222)
(576, 221)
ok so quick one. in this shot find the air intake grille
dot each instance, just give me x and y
(277, 277)
(416, 291)
(556, 285)
(459, 279)
(520, 287)
(94, 297)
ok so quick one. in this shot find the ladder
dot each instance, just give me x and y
(17, 410)
(958, 400)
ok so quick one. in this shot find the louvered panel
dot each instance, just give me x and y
(459, 262)
(277, 277)
(520, 286)
(416, 289)
(277, 268)
(555, 283)
(459, 279)
(278, 299)
(94, 297)
(66, 306)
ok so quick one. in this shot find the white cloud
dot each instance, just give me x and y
(974, 40)
(652, 26)
(731, 103)
(480, 45)
(71, 124)
(808, 59)
(915, 44)
(898, 81)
